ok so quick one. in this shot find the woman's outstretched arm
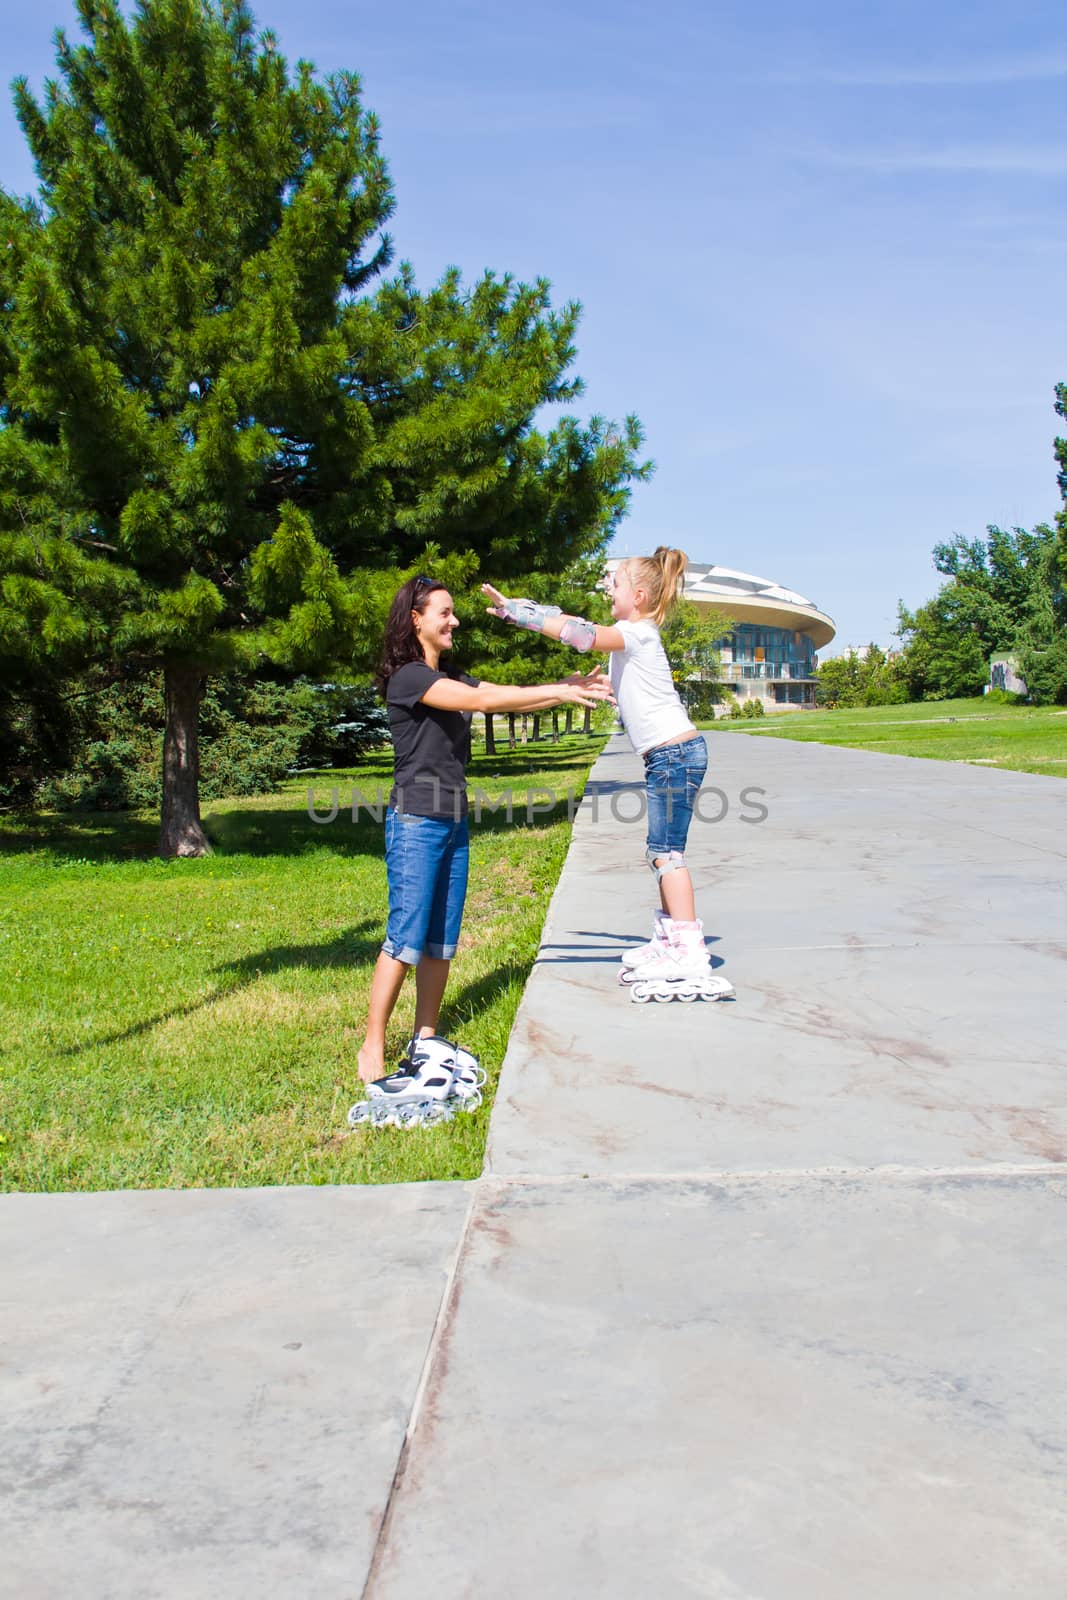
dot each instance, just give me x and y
(585, 689)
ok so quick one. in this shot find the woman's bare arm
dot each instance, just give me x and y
(446, 694)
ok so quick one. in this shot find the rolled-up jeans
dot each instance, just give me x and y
(673, 775)
(426, 861)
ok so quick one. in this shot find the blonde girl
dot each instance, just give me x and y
(675, 755)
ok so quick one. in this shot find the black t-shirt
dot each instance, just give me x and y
(431, 748)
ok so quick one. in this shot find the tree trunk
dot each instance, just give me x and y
(511, 730)
(181, 833)
(536, 734)
(525, 734)
(569, 724)
(555, 727)
(587, 720)
(490, 736)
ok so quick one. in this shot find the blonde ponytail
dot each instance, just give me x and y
(661, 575)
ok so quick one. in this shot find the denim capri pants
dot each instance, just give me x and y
(673, 775)
(426, 861)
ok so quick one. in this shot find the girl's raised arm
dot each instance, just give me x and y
(551, 621)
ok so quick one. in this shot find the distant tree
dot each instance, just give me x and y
(996, 588)
(218, 448)
(691, 639)
(839, 681)
(867, 677)
(1061, 461)
(1042, 643)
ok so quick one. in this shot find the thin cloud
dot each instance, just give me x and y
(1023, 69)
(1035, 161)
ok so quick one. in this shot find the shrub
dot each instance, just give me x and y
(701, 698)
(1045, 671)
(101, 746)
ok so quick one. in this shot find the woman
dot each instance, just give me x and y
(426, 842)
(675, 755)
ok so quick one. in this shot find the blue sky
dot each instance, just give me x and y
(820, 251)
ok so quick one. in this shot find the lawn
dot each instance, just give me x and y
(1012, 738)
(195, 1023)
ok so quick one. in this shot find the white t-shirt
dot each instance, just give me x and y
(648, 702)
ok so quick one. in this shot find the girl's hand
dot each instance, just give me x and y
(499, 607)
(528, 614)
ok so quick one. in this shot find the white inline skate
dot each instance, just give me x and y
(435, 1080)
(678, 968)
(468, 1077)
(642, 952)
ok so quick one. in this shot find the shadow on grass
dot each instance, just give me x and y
(348, 949)
(463, 1005)
(83, 835)
(343, 814)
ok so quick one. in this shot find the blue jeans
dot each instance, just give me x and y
(426, 862)
(673, 775)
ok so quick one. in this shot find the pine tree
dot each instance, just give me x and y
(223, 432)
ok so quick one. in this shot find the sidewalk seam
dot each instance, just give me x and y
(1049, 1169)
(441, 1321)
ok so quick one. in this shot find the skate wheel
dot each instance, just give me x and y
(640, 995)
(359, 1113)
(686, 996)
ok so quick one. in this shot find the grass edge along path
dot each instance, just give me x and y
(194, 1023)
(997, 737)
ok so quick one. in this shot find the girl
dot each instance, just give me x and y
(426, 844)
(675, 755)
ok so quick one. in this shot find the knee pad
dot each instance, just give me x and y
(673, 861)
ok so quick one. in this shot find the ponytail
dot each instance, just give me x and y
(661, 575)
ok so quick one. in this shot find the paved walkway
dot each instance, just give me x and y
(757, 1301)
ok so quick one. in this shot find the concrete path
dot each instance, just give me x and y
(756, 1301)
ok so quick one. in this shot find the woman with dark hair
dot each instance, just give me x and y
(426, 843)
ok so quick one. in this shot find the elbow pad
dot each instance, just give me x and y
(578, 633)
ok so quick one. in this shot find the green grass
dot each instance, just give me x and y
(195, 1023)
(1011, 738)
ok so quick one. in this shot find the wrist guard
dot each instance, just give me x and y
(527, 614)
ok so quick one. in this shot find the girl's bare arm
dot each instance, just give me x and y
(554, 625)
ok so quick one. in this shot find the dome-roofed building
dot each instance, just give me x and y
(771, 653)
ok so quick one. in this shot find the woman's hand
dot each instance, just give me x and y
(588, 689)
(596, 676)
